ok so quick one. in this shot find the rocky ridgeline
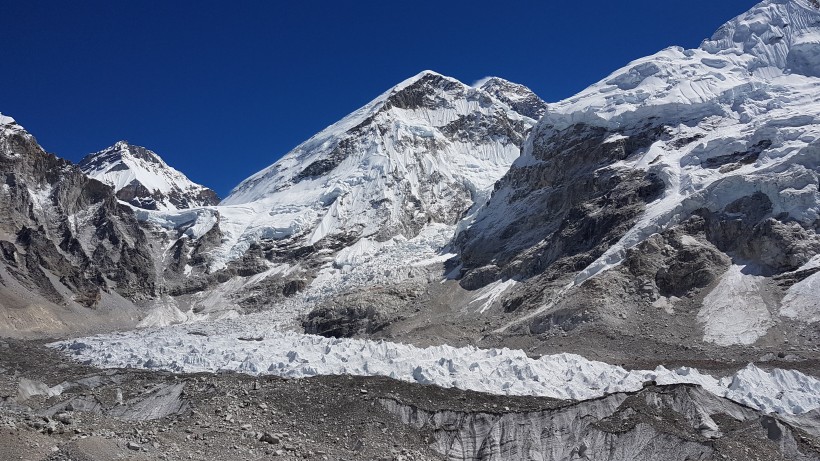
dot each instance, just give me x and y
(65, 239)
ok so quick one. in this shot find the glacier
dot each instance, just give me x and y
(249, 345)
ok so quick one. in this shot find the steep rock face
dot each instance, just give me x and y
(572, 206)
(65, 239)
(718, 145)
(141, 178)
(657, 423)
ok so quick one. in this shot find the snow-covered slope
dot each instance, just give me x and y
(723, 140)
(424, 151)
(140, 177)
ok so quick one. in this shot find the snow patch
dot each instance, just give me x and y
(802, 300)
(736, 310)
(492, 292)
(615, 138)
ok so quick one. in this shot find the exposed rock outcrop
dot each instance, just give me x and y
(65, 237)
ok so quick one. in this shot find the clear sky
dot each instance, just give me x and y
(222, 89)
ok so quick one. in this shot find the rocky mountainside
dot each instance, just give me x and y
(677, 198)
(520, 98)
(72, 256)
(140, 177)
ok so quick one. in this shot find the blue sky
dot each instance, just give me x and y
(222, 89)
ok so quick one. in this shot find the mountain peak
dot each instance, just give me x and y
(426, 73)
(124, 148)
(6, 120)
(9, 125)
(437, 101)
(420, 156)
(141, 178)
(426, 88)
(520, 98)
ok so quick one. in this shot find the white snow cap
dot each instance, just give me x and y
(746, 53)
(6, 120)
(9, 126)
(777, 33)
(277, 176)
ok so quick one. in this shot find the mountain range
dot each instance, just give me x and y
(674, 204)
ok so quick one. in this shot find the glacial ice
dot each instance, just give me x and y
(217, 347)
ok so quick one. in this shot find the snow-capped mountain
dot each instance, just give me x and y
(664, 218)
(681, 183)
(677, 184)
(423, 152)
(520, 98)
(140, 177)
(408, 166)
